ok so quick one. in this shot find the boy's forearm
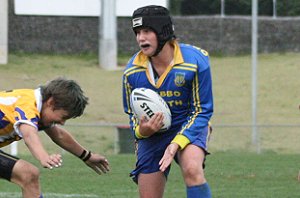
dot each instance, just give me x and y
(65, 140)
(33, 142)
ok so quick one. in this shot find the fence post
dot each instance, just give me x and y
(125, 142)
(14, 148)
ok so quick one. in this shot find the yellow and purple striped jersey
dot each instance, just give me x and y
(17, 107)
(186, 86)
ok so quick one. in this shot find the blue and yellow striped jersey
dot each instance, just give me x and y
(186, 86)
(17, 107)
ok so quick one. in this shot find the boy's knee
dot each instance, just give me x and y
(194, 175)
(28, 176)
(32, 174)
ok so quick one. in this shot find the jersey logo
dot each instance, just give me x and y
(179, 79)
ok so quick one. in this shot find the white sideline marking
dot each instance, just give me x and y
(49, 195)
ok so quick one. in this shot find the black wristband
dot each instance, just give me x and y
(88, 156)
(83, 154)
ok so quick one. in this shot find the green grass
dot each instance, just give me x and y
(277, 99)
(230, 174)
(233, 169)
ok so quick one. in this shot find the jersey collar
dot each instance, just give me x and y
(38, 98)
(142, 60)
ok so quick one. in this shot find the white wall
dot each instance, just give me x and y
(78, 7)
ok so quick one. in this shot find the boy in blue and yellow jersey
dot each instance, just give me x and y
(180, 73)
(24, 112)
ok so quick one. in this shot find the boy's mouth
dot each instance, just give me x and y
(145, 45)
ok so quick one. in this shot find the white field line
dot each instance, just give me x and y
(49, 195)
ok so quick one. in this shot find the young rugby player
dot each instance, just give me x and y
(181, 74)
(25, 112)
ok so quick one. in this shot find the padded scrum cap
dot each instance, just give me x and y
(156, 18)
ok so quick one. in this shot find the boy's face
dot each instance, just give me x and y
(147, 41)
(50, 115)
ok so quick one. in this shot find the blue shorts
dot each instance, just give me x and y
(151, 150)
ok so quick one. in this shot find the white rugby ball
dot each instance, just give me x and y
(146, 102)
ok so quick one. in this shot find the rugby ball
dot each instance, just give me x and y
(146, 102)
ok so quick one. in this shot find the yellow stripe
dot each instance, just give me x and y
(185, 68)
(196, 101)
(128, 92)
(197, 94)
(181, 140)
(189, 64)
(138, 134)
(127, 85)
(130, 70)
(163, 76)
(135, 71)
(136, 128)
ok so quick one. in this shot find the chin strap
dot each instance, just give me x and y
(161, 44)
(159, 48)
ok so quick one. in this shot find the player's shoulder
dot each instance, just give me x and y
(129, 64)
(195, 55)
(192, 50)
(132, 66)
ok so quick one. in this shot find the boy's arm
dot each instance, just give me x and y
(66, 141)
(34, 144)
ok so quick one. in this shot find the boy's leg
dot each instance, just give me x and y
(191, 162)
(151, 185)
(21, 173)
(202, 190)
(28, 180)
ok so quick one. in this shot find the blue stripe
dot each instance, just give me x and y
(22, 114)
(35, 119)
(3, 123)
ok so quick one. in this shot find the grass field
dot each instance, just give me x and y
(230, 174)
(278, 98)
(233, 169)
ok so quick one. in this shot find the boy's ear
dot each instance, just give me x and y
(50, 102)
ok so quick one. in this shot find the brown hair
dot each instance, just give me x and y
(67, 95)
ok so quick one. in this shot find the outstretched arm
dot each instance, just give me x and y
(34, 144)
(66, 141)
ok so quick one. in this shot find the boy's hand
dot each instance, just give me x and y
(168, 157)
(98, 163)
(149, 127)
(51, 161)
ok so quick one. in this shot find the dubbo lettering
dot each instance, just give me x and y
(169, 93)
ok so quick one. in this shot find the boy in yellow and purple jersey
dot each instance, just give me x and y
(25, 112)
(180, 73)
